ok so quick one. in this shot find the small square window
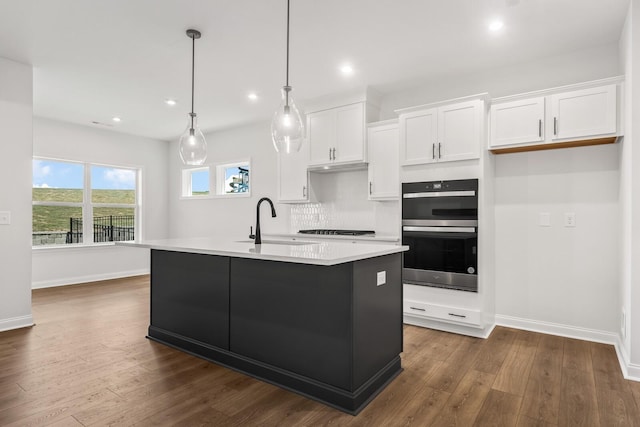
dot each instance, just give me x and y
(195, 182)
(233, 179)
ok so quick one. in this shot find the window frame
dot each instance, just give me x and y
(221, 168)
(88, 205)
(186, 190)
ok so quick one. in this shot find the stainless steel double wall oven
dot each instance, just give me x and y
(440, 225)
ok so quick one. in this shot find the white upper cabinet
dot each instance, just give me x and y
(517, 122)
(584, 113)
(419, 136)
(556, 118)
(384, 163)
(293, 178)
(444, 133)
(460, 131)
(336, 135)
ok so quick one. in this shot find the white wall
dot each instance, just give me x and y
(16, 109)
(566, 276)
(576, 67)
(229, 217)
(66, 265)
(630, 189)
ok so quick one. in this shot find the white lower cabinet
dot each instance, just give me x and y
(444, 313)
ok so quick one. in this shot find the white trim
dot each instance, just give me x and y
(630, 371)
(87, 279)
(549, 328)
(484, 96)
(559, 89)
(16, 323)
(448, 327)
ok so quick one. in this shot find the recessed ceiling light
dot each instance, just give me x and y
(170, 102)
(116, 119)
(496, 25)
(346, 70)
(252, 96)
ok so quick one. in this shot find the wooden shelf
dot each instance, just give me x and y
(556, 145)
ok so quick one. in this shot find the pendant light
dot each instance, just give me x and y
(193, 147)
(287, 130)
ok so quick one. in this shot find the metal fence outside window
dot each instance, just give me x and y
(112, 228)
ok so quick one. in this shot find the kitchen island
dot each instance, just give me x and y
(323, 319)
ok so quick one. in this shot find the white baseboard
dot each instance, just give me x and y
(631, 371)
(86, 279)
(16, 323)
(568, 331)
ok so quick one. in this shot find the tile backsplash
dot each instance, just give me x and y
(342, 203)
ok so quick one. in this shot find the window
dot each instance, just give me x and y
(233, 178)
(75, 203)
(195, 182)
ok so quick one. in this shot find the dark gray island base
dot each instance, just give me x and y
(330, 333)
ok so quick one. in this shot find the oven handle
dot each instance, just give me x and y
(441, 229)
(468, 193)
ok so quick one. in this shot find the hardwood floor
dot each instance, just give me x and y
(86, 363)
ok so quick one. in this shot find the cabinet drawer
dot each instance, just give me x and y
(443, 313)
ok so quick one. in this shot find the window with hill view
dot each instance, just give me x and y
(83, 203)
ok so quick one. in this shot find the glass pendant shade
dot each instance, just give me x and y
(193, 147)
(287, 130)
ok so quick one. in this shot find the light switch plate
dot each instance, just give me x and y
(569, 219)
(382, 278)
(5, 217)
(545, 219)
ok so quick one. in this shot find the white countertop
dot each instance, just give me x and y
(302, 251)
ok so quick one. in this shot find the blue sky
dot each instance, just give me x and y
(51, 174)
(200, 180)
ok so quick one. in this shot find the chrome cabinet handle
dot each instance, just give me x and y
(334, 153)
(370, 184)
(433, 150)
(457, 315)
(439, 150)
(416, 308)
(540, 128)
(555, 125)
(329, 153)
(304, 191)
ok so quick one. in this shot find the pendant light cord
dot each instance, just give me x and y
(193, 62)
(288, 42)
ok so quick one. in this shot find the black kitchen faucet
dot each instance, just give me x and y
(273, 215)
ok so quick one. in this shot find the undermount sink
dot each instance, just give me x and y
(280, 242)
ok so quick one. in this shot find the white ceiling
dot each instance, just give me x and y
(94, 59)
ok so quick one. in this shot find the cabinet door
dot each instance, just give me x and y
(321, 129)
(350, 145)
(459, 131)
(293, 179)
(517, 122)
(418, 137)
(584, 113)
(384, 162)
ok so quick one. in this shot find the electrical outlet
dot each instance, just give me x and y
(381, 278)
(545, 219)
(5, 218)
(569, 219)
